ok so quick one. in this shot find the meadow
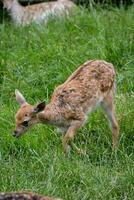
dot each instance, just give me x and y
(35, 60)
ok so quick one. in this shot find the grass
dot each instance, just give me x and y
(35, 60)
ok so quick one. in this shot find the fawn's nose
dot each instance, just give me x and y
(15, 134)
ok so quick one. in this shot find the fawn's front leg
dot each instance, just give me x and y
(72, 130)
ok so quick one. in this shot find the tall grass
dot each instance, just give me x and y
(35, 60)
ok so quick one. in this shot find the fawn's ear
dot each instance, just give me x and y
(19, 98)
(40, 107)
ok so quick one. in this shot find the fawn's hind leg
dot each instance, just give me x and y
(72, 130)
(108, 106)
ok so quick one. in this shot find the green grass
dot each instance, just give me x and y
(35, 60)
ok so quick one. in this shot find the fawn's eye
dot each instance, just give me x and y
(25, 123)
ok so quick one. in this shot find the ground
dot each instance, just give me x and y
(36, 59)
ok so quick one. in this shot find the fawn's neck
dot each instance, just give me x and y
(50, 115)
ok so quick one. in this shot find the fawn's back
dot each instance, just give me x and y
(24, 196)
(85, 88)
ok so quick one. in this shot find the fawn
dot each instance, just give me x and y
(90, 85)
(38, 12)
(24, 196)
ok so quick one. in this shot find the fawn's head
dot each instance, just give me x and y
(26, 116)
(8, 3)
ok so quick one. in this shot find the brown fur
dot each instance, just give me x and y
(37, 12)
(24, 196)
(90, 85)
